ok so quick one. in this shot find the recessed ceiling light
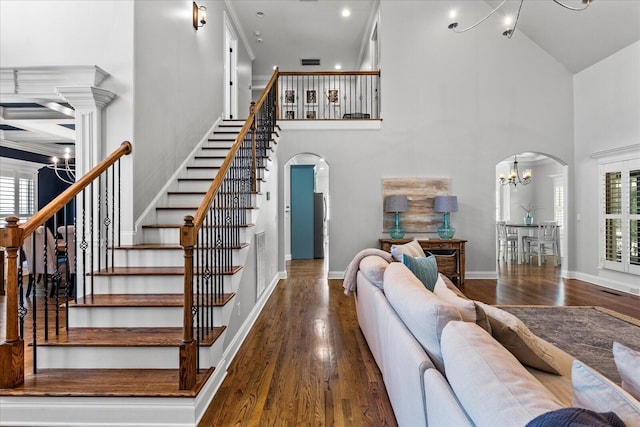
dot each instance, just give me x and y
(338, 67)
(346, 12)
(260, 14)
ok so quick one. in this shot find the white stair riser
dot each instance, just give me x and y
(70, 357)
(170, 236)
(125, 317)
(149, 258)
(202, 186)
(176, 216)
(184, 199)
(200, 173)
(150, 284)
(173, 216)
(138, 317)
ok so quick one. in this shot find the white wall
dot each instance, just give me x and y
(178, 88)
(90, 32)
(607, 116)
(453, 105)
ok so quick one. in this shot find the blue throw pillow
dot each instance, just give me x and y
(424, 268)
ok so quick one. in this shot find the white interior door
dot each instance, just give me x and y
(231, 75)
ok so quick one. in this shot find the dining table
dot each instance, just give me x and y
(526, 230)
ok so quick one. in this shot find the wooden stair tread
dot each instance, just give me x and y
(156, 271)
(196, 207)
(125, 337)
(180, 225)
(141, 300)
(106, 383)
(160, 246)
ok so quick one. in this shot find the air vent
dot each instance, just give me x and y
(309, 61)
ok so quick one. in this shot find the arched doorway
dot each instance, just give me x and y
(306, 209)
(545, 197)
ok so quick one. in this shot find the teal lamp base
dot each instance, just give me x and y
(446, 231)
(397, 232)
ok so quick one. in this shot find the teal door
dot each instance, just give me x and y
(302, 186)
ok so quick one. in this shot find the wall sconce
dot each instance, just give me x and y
(199, 16)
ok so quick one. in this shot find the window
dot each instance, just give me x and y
(17, 191)
(620, 215)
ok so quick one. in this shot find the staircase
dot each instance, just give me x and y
(117, 363)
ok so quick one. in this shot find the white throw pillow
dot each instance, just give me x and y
(595, 392)
(424, 314)
(469, 310)
(373, 268)
(490, 383)
(411, 248)
(628, 364)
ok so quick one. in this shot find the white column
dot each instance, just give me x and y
(88, 102)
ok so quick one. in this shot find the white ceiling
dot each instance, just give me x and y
(294, 29)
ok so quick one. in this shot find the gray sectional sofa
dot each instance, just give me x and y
(450, 361)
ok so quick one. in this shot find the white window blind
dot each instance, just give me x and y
(17, 195)
(620, 215)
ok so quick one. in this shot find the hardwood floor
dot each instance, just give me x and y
(305, 360)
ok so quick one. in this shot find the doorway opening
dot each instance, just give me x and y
(544, 199)
(307, 208)
(230, 71)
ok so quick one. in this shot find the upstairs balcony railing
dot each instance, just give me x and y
(329, 95)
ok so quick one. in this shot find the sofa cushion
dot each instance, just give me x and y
(373, 268)
(628, 364)
(595, 392)
(424, 314)
(514, 335)
(469, 310)
(493, 387)
(411, 248)
(424, 268)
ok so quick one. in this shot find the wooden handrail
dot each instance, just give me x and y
(329, 73)
(201, 213)
(66, 196)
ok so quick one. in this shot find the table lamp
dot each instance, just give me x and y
(396, 204)
(446, 204)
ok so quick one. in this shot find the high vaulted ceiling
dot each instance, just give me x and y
(294, 29)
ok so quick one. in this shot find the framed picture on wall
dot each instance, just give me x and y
(333, 95)
(311, 98)
(290, 114)
(289, 96)
(312, 114)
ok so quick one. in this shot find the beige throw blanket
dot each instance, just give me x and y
(349, 283)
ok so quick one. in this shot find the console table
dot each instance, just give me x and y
(449, 255)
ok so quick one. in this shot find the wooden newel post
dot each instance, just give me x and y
(188, 346)
(12, 350)
(254, 130)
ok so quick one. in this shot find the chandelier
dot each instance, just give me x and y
(509, 21)
(514, 177)
(66, 170)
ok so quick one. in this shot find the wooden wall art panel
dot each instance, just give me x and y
(420, 217)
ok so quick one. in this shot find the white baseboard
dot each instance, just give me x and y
(335, 275)
(480, 275)
(604, 282)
